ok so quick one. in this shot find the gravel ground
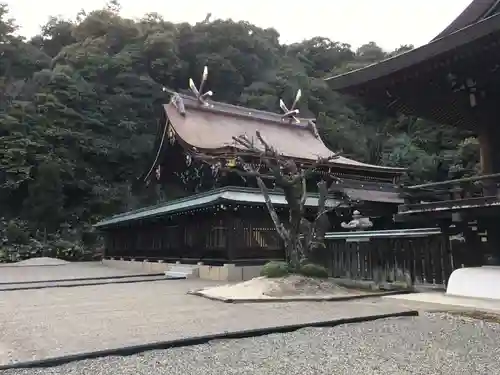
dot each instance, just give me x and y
(44, 323)
(87, 282)
(15, 274)
(430, 344)
(42, 261)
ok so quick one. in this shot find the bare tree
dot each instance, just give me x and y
(301, 236)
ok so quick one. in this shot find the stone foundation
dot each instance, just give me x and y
(227, 272)
(137, 266)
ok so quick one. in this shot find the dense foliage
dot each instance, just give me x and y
(276, 269)
(79, 104)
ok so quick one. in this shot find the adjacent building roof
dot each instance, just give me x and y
(373, 196)
(210, 128)
(476, 11)
(218, 196)
(429, 81)
(443, 208)
(351, 82)
(367, 191)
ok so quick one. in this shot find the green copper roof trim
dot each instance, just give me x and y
(209, 198)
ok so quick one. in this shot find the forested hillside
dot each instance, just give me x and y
(79, 105)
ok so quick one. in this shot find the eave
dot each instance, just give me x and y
(477, 10)
(228, 195)
(476, 207)
(355, 80)
(305, 146)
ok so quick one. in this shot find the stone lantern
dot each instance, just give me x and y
(358, 222)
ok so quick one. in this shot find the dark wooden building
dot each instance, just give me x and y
(454, 79)
(222, 217)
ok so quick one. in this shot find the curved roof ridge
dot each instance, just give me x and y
(222, 108)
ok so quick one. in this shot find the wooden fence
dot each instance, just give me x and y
(420, 256)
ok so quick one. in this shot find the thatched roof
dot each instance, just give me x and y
(209, 128)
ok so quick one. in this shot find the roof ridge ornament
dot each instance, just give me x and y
(198, 92)
(178, 103)
(314, 129)
(292, 112)
(176, 100)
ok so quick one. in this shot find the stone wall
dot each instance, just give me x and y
(137, 266)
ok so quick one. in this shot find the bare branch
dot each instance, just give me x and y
(312, 168)
(267, 148)
(323, 198)
(326, 211)
(300, 235)
(245, 142)
(323, 195)
(304, 194)
(314, 129)
(280, 228)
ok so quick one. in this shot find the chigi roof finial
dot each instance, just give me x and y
(292, 112)
(198, 92)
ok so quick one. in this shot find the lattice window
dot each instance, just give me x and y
(263, 237)
(217, 237)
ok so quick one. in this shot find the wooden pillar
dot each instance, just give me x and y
(485, 150)
(108, 243)
(489, 139)
(233, 234)
(229, 225)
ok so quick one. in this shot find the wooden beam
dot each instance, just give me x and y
(456, 181)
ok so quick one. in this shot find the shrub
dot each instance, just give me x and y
(313, 270)
(275, 269)
(16, 234)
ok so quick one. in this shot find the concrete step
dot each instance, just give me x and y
(182, 270)
(172, 274)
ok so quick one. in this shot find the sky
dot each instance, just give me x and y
(390, 23)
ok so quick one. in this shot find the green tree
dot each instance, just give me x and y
(44, 204)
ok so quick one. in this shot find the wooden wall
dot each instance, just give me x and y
(417, 260)
(209, 236)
